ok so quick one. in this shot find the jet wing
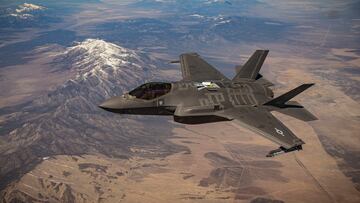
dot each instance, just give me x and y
(263, 122)
(194, 68)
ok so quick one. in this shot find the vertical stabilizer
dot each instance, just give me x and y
(252, 67)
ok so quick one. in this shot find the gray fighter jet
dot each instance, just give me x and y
(206, 95)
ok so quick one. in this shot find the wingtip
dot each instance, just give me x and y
(263, 50)
(309, 84)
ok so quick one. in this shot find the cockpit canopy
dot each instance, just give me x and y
(151, 90)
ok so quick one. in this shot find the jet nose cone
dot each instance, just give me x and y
(111, 104)
(104, 105)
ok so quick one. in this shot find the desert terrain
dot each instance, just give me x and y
(223, 162)
(60, 60)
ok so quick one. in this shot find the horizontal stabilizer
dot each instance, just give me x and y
(299, 113)
(281, 100)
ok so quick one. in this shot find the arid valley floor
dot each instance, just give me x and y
(59, 61)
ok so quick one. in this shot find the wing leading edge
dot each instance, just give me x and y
(263, 122)
(196, 69)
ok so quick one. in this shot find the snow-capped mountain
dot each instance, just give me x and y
(105, 64)
(67, 119)
(25, 11)
(95, 57)
(26, 7)
(26, 15)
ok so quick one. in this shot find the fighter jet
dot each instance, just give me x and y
(205, 95)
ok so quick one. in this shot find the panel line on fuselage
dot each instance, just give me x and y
(226, 95)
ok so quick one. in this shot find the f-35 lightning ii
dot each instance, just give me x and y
(205, 95)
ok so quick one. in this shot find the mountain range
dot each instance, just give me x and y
(67, 120)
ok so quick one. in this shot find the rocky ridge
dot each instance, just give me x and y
(67, 119)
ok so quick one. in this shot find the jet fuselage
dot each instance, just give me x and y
(199, 99)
